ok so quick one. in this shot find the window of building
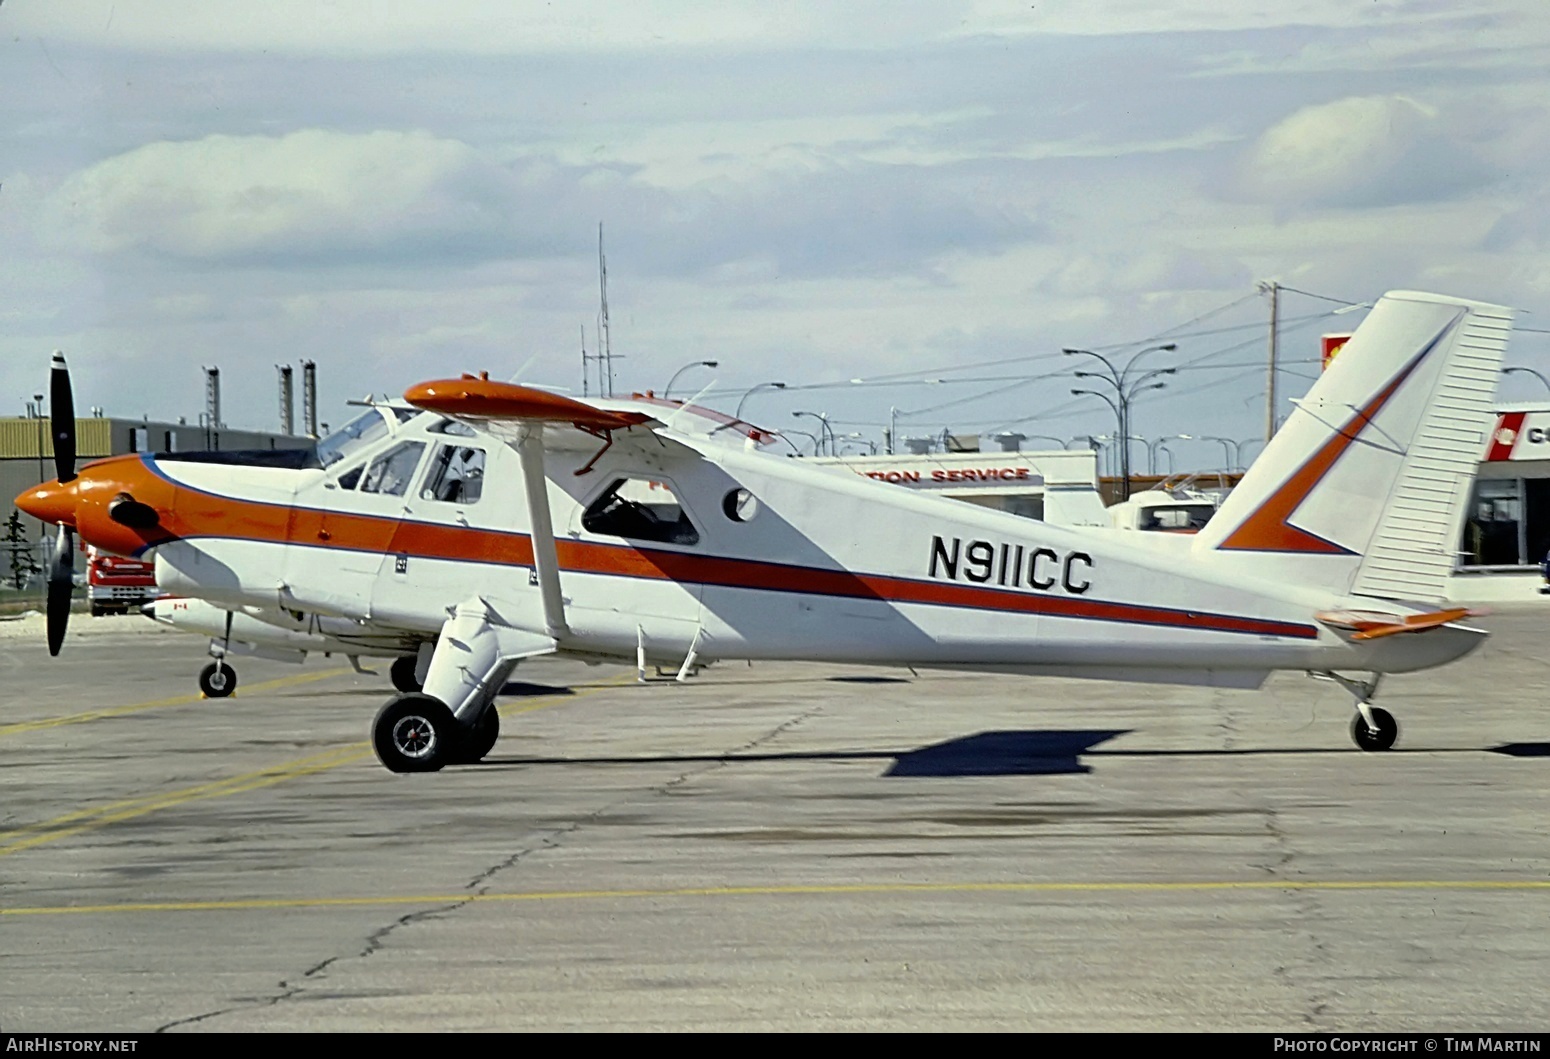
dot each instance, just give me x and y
(456, 475)
(640, 509)
(390, 472)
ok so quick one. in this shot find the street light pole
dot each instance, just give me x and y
(1153, 446)
(37, 404)
(1125, 391)
(825, 431)
(737, 416)
(1230, 455)
(692, 364)
(1529, 371)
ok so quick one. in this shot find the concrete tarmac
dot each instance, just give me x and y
(789, 847)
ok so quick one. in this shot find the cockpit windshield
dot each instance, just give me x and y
(353, 436)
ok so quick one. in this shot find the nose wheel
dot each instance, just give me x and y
(218, 679)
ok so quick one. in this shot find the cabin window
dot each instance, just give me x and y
(353, 436)
(351, 478)
(390, 472)
(456, 475)
(640, 509)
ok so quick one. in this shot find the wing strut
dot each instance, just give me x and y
(546, 561)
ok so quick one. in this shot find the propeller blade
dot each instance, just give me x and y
(62, 418)
(61, 585)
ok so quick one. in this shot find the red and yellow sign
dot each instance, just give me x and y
(1333, 344)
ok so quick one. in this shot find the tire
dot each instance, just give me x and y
(1378, 738)
(480, 741)
(217, 680)
(402, 673)
(415, 733)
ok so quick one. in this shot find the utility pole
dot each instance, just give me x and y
(1274, 290)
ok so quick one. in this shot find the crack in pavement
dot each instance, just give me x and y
(289, 989)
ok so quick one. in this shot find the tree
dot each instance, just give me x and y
(23, 564)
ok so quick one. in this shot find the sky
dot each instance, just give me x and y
(904, 211)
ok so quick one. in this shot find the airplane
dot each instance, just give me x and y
(494, 522)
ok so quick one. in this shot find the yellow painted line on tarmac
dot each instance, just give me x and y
(114, 812)
(840, 890)
(177, 700)
(59, 827)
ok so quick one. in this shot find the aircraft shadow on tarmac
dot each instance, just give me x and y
(1024, 753)
(1034, 752)
(1523, 749)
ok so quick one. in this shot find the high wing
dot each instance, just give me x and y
(511, 412)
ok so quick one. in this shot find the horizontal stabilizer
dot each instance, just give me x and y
(1370, 625)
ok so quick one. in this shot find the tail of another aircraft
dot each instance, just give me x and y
(1363, 489)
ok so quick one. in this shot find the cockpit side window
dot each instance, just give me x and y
(389, 473)
(456, 475)
(640, 509)
(352, 437)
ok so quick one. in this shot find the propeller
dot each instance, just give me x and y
(61, 567)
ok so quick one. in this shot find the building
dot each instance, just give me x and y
(1056, 486)
(1507, 523)
(27, 449)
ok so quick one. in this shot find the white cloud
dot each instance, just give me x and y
(1142, 272)
(511, 27)
(1361, 151)
(321, 197)
(312, 193)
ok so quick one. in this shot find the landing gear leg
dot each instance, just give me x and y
(218, 679)
(1373, 728)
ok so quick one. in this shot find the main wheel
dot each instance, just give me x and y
(479, 742)
(1380, 737)
(218, 680)
(415, 733)
(402, 672)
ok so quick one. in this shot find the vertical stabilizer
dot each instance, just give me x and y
(1363, 488)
